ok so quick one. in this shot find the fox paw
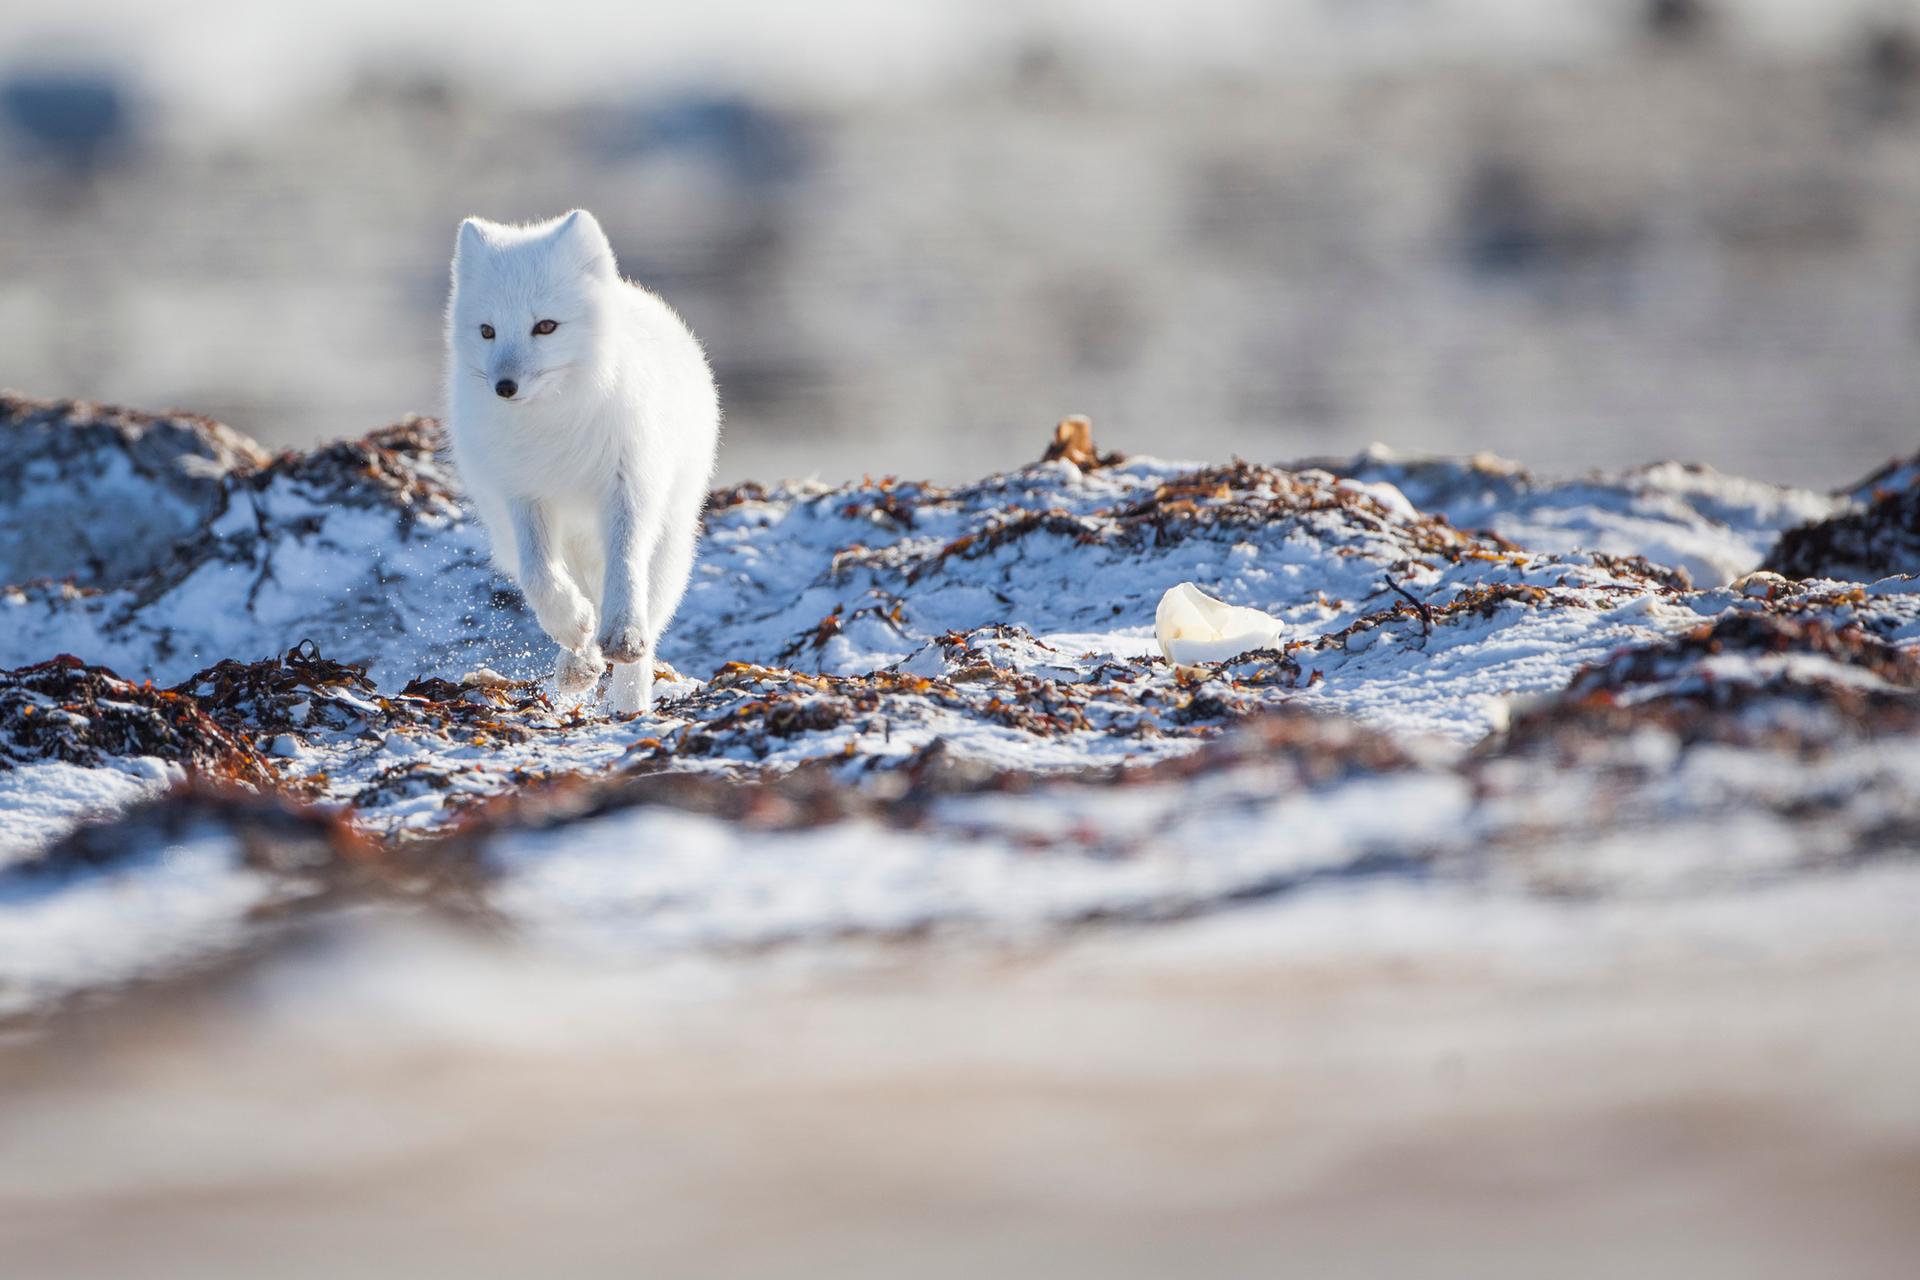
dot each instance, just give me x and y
(577, 672)
(622, 641)
(565, 615)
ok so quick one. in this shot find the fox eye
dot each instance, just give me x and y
(486, 331)
(545, 327)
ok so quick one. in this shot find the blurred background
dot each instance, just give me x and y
(913, 235)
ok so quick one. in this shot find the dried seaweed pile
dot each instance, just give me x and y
(1877, 542)
(398, 466)
(1216, 503)
(303, 693)
(63, 710)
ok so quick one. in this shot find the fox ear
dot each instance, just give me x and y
(582, 230)
(471, 241)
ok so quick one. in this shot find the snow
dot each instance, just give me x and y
(899, 710)
(650, 880)
(182, 900)
(1714, 526)
(43, 801)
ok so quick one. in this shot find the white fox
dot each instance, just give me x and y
(584, 420)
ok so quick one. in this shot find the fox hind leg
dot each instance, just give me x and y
(667, 573)
(632, 691)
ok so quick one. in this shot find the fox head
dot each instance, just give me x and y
(528, 302)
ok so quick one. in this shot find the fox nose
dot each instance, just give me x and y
(505, 388)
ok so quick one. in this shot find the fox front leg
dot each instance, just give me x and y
(564, 611)
(624, 636)
(577, 672)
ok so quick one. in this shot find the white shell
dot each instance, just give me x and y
(1192, 627)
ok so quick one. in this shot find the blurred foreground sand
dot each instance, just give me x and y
(1447, 1087)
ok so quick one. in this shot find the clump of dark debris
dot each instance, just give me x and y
(268, 835)
(1752, 635)
(746, 711)
(307, 859)
(1281, 751)
(400, 464)
(1212, 502)
(300, 690)
(63, 709)
(302, 693)
(1747, 679)
(1892, 477)
(1862, 546)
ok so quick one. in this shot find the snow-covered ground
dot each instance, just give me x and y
(905, 720)
(896, 707)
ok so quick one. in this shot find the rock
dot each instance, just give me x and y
(103, 495)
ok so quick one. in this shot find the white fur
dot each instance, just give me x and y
(590, 478)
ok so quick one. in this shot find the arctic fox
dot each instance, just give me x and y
(583, 420)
